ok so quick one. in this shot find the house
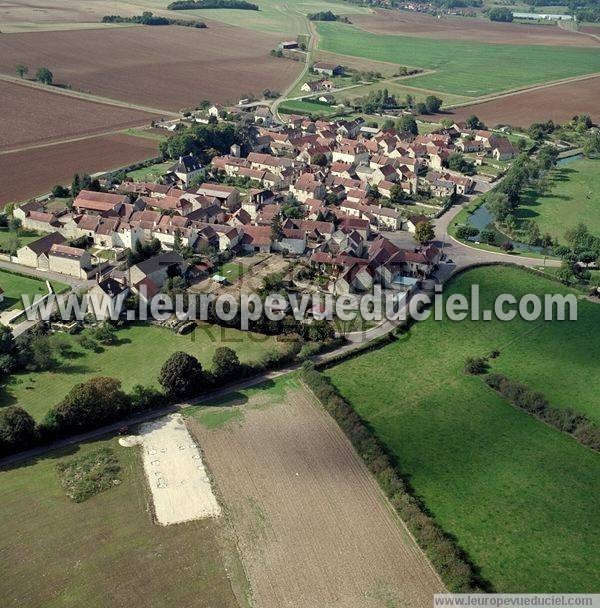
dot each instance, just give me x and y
(184, 170)
(307, 187)
(329, 69)
(112, 290)
(41, 221)
(157, 268)
(293, 240)
(35, 254)
(313, 86)
(23, 211)
(257, 238)
(502, 149)
(414, 221)
(228, 196)
(99, 203)
(263, 115)
(69, 260)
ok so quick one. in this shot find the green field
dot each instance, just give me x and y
(573, 197)
(25, 237)
(136, 359)
(275, 16)
(519, 496)
(297, 106)
(106, 551)
(151, 173)
(16, 285)
(463, 68)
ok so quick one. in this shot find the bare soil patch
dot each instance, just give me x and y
(559, 103)
(312, 525)
(166, 67)
(35, 116)
(420, 25)
(35, 171)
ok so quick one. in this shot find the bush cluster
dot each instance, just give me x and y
(566, 420)
(450, 562)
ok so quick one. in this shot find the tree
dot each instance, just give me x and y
(17, 429)
(591, 145)
(88, 405)
(488, 236)
(42, 354)
(44, 75)
(473, 122)
(181, 375)
(22, 70)
(15, 224)
(410, 101)
(457, 162)
(225, 363)
(396, 194)
(407, 124)
(105, 333)
(8, 351)
(321, 330)
(75, 185)
(59, 191)
(424, 233)
(500, 13)
(433, 104)
(319, 159)
(421, 108)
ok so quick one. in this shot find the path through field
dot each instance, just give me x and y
(312, 525)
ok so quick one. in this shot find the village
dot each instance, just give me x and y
(338, 203)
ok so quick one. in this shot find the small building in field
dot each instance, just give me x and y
(288, 45)
(330, 69)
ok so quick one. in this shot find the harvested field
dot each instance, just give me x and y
(312, 526)
(35, 171)
(38, 116)
(177, 478)
(166, 67)
(421, 25)
(558, 103)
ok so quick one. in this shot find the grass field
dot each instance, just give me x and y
(137, 359)
(463, 68)
(25, 237)
(518, 495)
(150, 174)
(16, 285)
(298, 106)
(106, 551)
(571, 198)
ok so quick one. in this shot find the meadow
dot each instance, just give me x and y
(572, 197)
(106, 551)
(463, 68)
(135, 359)
(15, 285)
(518, 495)
(299, 106)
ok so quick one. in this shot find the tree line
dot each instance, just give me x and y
(180, 5)
(148, 18)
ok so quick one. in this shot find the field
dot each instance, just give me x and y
(312, 526)
(298, 106)
(571, 198)
(136, 359)
(16, 285)
(34, 171)
(40, 116)
(150, 174)
(558, 103)
(485, 469)
(422, 25)
(165, 67)
(106, 551)
(463, 68)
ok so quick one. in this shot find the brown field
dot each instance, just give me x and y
(166, 67)
(420, 25)
(39, 116)
(35, 171)
(312, 526)
(559, 103)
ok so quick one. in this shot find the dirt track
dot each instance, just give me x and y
(409, 23)
(165, 67)
(312, 525)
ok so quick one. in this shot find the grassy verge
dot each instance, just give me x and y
(483, 468)
(15, 285)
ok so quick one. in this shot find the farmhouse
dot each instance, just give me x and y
(329, 69)
(98, 203)
(184, 170)
(69, 260)
(35, 254)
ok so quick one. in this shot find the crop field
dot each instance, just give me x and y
(34, 171)
(106, 551)
(135, 359)
(484, 468)
(311, 524)
(572, 198)
(165, 67)
(463, 68)
(422, 25)
(40, 116)
(558, 103)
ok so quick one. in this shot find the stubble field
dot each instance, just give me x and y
(312, 526)
(166, 67)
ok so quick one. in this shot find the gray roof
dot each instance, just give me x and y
(163, 260)
(44, 244)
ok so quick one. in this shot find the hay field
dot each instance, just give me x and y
(312, 526)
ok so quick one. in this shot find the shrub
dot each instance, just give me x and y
(181, 375)
(17, 429)
(225, 364)
(476, 365)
